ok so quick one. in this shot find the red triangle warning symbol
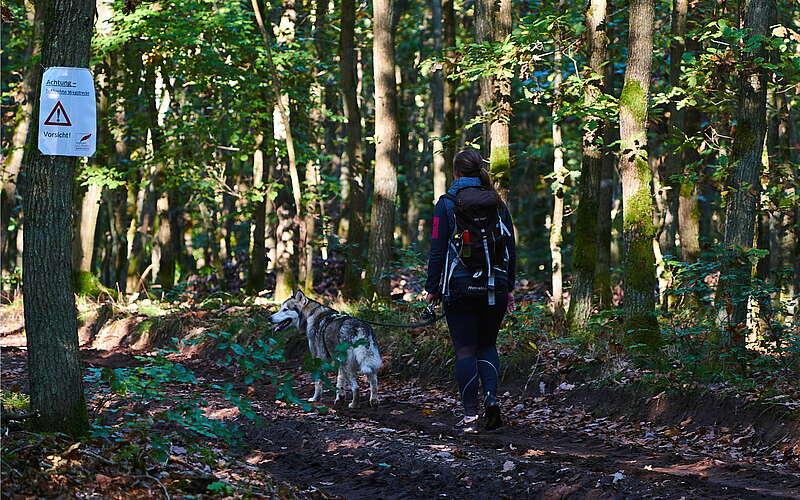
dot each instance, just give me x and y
(61, 117)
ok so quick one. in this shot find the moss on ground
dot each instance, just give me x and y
(87, 284)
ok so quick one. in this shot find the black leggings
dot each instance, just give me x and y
(473, 327)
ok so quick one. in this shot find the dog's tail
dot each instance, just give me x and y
(368, 358)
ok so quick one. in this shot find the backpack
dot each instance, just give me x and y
(477, 259)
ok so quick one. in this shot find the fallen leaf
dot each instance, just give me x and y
(103, 481)
(509, 466)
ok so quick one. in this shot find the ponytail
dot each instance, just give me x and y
(486, 179)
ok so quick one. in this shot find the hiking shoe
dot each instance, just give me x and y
(468, 424)
(493, 418)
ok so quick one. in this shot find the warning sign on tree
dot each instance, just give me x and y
(67, 112)
(61, 117)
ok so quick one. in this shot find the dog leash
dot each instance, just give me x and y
(429, 314)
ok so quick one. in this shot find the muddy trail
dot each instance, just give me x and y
(407, 448)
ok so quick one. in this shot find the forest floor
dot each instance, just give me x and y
(565, 438)
(404, 448)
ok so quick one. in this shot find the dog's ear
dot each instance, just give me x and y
(299, 296)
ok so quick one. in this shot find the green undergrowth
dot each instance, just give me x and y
(15, 401)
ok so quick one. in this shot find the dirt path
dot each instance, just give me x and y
(406, 448)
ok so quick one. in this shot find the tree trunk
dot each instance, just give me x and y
(356, 204)
(283, 112)
(449, 104)
(54, 371)
(641, 325)
(559, 178)
(673, 164)
(386, 150)
(688, 206)
(227, 214)
(586, 244)
(83, 243)
(781, 187)
(484, 12)
(284, 247)
(262, 176)
(605, 194)
(13, 158)
(500, 156)
(437, 104)
(743, 183)
(310, 216)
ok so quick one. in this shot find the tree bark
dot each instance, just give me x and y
(449, 104)
(673, 164)
(386, 150)
(743, 184)
(484, 12)
(54, 371)
(83, 244)
(559, 178)
(688, 206)
(13, 158)
(262, 177)
(605, 194)
(356, 204)
(283, 112)
(500, 156)
(437, 104)
(586, 244)
(640, 325)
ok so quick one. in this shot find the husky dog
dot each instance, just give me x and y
(325, 329)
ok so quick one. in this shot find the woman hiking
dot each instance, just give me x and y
(471, 270)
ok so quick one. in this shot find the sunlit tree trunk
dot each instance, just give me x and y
(56, 388)
(356, 205)
(500, 156)
(285, 246)
(310, 215)
(586, 244)
(557, 187)
(83, 242)
(640, 325)
(781, 183)
(386, 150)
(743, 183)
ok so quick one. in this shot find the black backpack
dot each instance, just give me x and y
(479, 241)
